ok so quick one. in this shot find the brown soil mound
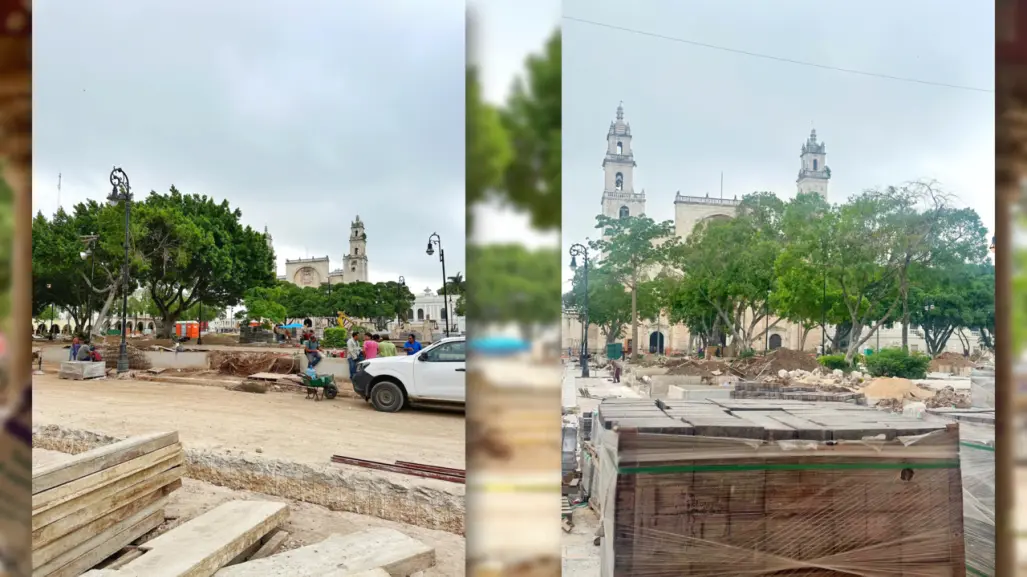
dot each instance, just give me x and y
(699, 368)
(949, 398)
(250, 387)
(948, 361)
(244, 364)
(774, 361)
(895, 388)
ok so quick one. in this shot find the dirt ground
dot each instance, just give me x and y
(580, 555)
(277, 425)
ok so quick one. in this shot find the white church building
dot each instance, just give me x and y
(620, 200)
(314, 272)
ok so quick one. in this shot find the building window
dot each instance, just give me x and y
(624, 213)
(814, 164)
(356, 251)
(618, 182)
(443, 311)
(410, 315)
(620, 148)
(420, 314)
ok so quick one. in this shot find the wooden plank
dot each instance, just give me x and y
(271, 545)
(74, 489)
(98, 459)
(43, 554)
(387, 549)
(170, 480)
(99, 547)
(44, 457)
(198, 548)
(43, 518)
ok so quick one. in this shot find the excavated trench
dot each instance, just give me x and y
(421, 502)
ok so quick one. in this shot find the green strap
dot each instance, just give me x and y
(667, 469)
(977, 446)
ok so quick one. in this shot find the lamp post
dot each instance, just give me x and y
(122, 192)
(399, 300)
(199, 331)
(581, 250)
(433, 241)
(49, 328)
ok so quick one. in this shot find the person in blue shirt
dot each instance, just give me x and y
(412, 347)
(75, 345)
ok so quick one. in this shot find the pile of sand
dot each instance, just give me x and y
(946, 362)
(894, 388)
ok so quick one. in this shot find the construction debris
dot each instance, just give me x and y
(769, 487)
(952, 363)
(137, 359)
(407, 468)
(89, 506)
(244, 364)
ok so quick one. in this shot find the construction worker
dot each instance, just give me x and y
(385, 347)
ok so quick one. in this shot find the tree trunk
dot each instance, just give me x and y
(904, 288)
(802, 336)
(101, 317)
(634, 317)
(166, 327)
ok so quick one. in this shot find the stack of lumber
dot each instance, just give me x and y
(772, 487)
(87, 507)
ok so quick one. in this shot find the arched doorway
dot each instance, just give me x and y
(656, 343)
(139, 326)
(41, 329)
(775, 342)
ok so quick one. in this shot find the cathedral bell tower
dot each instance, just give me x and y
(814, 173)
(356, 260)
(619, 197)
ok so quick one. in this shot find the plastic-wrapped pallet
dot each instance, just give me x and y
(707, 488)
(569, 449)
(977, 462)
(982, 388)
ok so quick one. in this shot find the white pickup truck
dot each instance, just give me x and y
(437, 375)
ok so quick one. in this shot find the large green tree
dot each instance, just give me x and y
(728, 265)
(513, 284)
(633, 249)
(198, 251)
(609, 303)
(944, 301)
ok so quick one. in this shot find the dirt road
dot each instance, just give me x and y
(279, 425)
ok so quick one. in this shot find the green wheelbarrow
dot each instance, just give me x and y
(322, 386)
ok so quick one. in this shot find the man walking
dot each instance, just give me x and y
(353, 353)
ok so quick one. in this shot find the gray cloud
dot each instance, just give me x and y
(695, 112)
(303, 117)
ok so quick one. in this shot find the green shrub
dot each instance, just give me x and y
(834, 362)
(335, 337)
(896, 362)
(747, 354)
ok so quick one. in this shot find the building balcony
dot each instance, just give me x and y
(685, 199)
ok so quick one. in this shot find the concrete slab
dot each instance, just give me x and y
(388, 549)
(203, 545)
(82, 370)
(698, 392)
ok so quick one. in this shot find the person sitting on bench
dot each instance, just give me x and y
(311, 348)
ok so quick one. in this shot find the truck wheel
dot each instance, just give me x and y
(330, 392)
(387, 397)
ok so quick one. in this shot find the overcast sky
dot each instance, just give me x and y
(508, 31)
(696, 112)
(302, 118)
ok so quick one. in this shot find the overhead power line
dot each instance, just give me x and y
(780, 58)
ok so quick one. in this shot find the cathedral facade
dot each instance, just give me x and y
(621, 200)
(314, 272)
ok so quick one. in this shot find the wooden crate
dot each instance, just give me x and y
(780, 488)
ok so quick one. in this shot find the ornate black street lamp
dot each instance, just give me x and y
(122, 192)
(49, 328)
(582, 251)
(433, 241)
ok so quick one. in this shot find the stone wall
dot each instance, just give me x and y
(255, 335)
